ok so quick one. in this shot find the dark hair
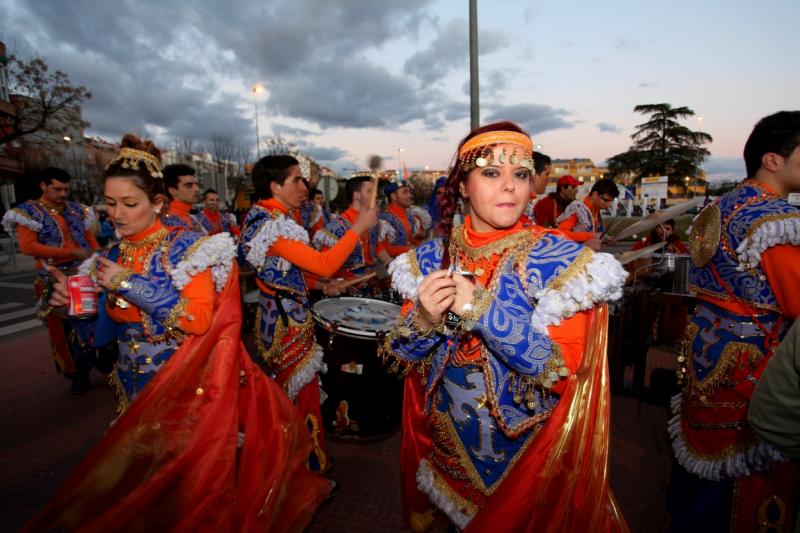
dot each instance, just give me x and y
(313, 192)
(605, 186)
(540, 162)
(457, 175)
(268, 169)
(778, 133)
(49, 174)
(354, 185)
(654, 234)
(172, 176)
(118, 168)
(208, 191)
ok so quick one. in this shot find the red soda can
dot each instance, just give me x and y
(82, 297)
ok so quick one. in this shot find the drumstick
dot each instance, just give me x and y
(373, 199)
(357, 280)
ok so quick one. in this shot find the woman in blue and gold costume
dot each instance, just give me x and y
(503, 337)
(205, 440)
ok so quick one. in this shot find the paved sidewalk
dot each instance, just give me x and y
(46, 432)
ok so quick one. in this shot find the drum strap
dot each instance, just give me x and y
(279, 296)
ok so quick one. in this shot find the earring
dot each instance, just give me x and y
(157, 210)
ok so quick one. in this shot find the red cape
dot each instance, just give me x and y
(171, 460)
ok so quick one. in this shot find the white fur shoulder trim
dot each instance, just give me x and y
(271, 229)
(578, 208)
(421, 217)
(601, 280)
(306, 372)
(426, 483)
(404, 281)
(385, 231)
(15, 217)
(216, 252)
(761, 456)
(324, 239)
(772, 230)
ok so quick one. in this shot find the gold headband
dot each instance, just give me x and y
(132, 158)
(478, 151)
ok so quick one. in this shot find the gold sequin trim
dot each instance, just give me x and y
(576, 268)
(519, 239)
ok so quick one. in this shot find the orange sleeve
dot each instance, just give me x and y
(781, 265)
(305, 257)
(578, 236)
(90, 238)
(570, 336)
(199, 294)
(568, 223)
(29, 245)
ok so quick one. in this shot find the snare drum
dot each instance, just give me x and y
(363, 401)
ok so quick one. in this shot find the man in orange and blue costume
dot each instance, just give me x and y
(745, 269)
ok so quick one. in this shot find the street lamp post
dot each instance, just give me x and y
(700, 129)
(686, 180)
(400, 162)
(257, 89)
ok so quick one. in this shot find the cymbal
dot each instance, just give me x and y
(659, 217)
(630, 256)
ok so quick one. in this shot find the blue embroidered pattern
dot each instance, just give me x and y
(747, 285)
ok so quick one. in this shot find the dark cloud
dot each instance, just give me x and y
(172, 69)
(449, 51)
(535, 118)
(284, 130)
(608, 127)
(321, 153)
(363, 95)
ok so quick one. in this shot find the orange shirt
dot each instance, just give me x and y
(402, 215)
(199, 293)
(29, 243)
(570, 222)
(305, 257)
(182, 210)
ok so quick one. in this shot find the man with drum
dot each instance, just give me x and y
(213, 220)
(370, 248)
(582, 222)
(278, 249)
(402, 237)
(56, 231)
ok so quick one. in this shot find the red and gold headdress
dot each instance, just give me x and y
(479, 151)
(132, 158)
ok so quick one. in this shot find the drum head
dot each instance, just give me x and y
(358, 317)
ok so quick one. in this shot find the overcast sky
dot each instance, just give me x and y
(349, 78)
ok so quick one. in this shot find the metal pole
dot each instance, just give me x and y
(474, 97)
(255, 106)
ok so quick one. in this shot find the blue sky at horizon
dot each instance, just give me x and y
(352, 78)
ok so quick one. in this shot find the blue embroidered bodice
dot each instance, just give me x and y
(739, 211)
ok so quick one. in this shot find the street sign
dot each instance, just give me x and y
(329, 187)
(654, 187)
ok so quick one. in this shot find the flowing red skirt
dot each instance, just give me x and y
(172, 461)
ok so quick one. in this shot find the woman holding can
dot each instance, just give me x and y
(503, 337)
(199, 420)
